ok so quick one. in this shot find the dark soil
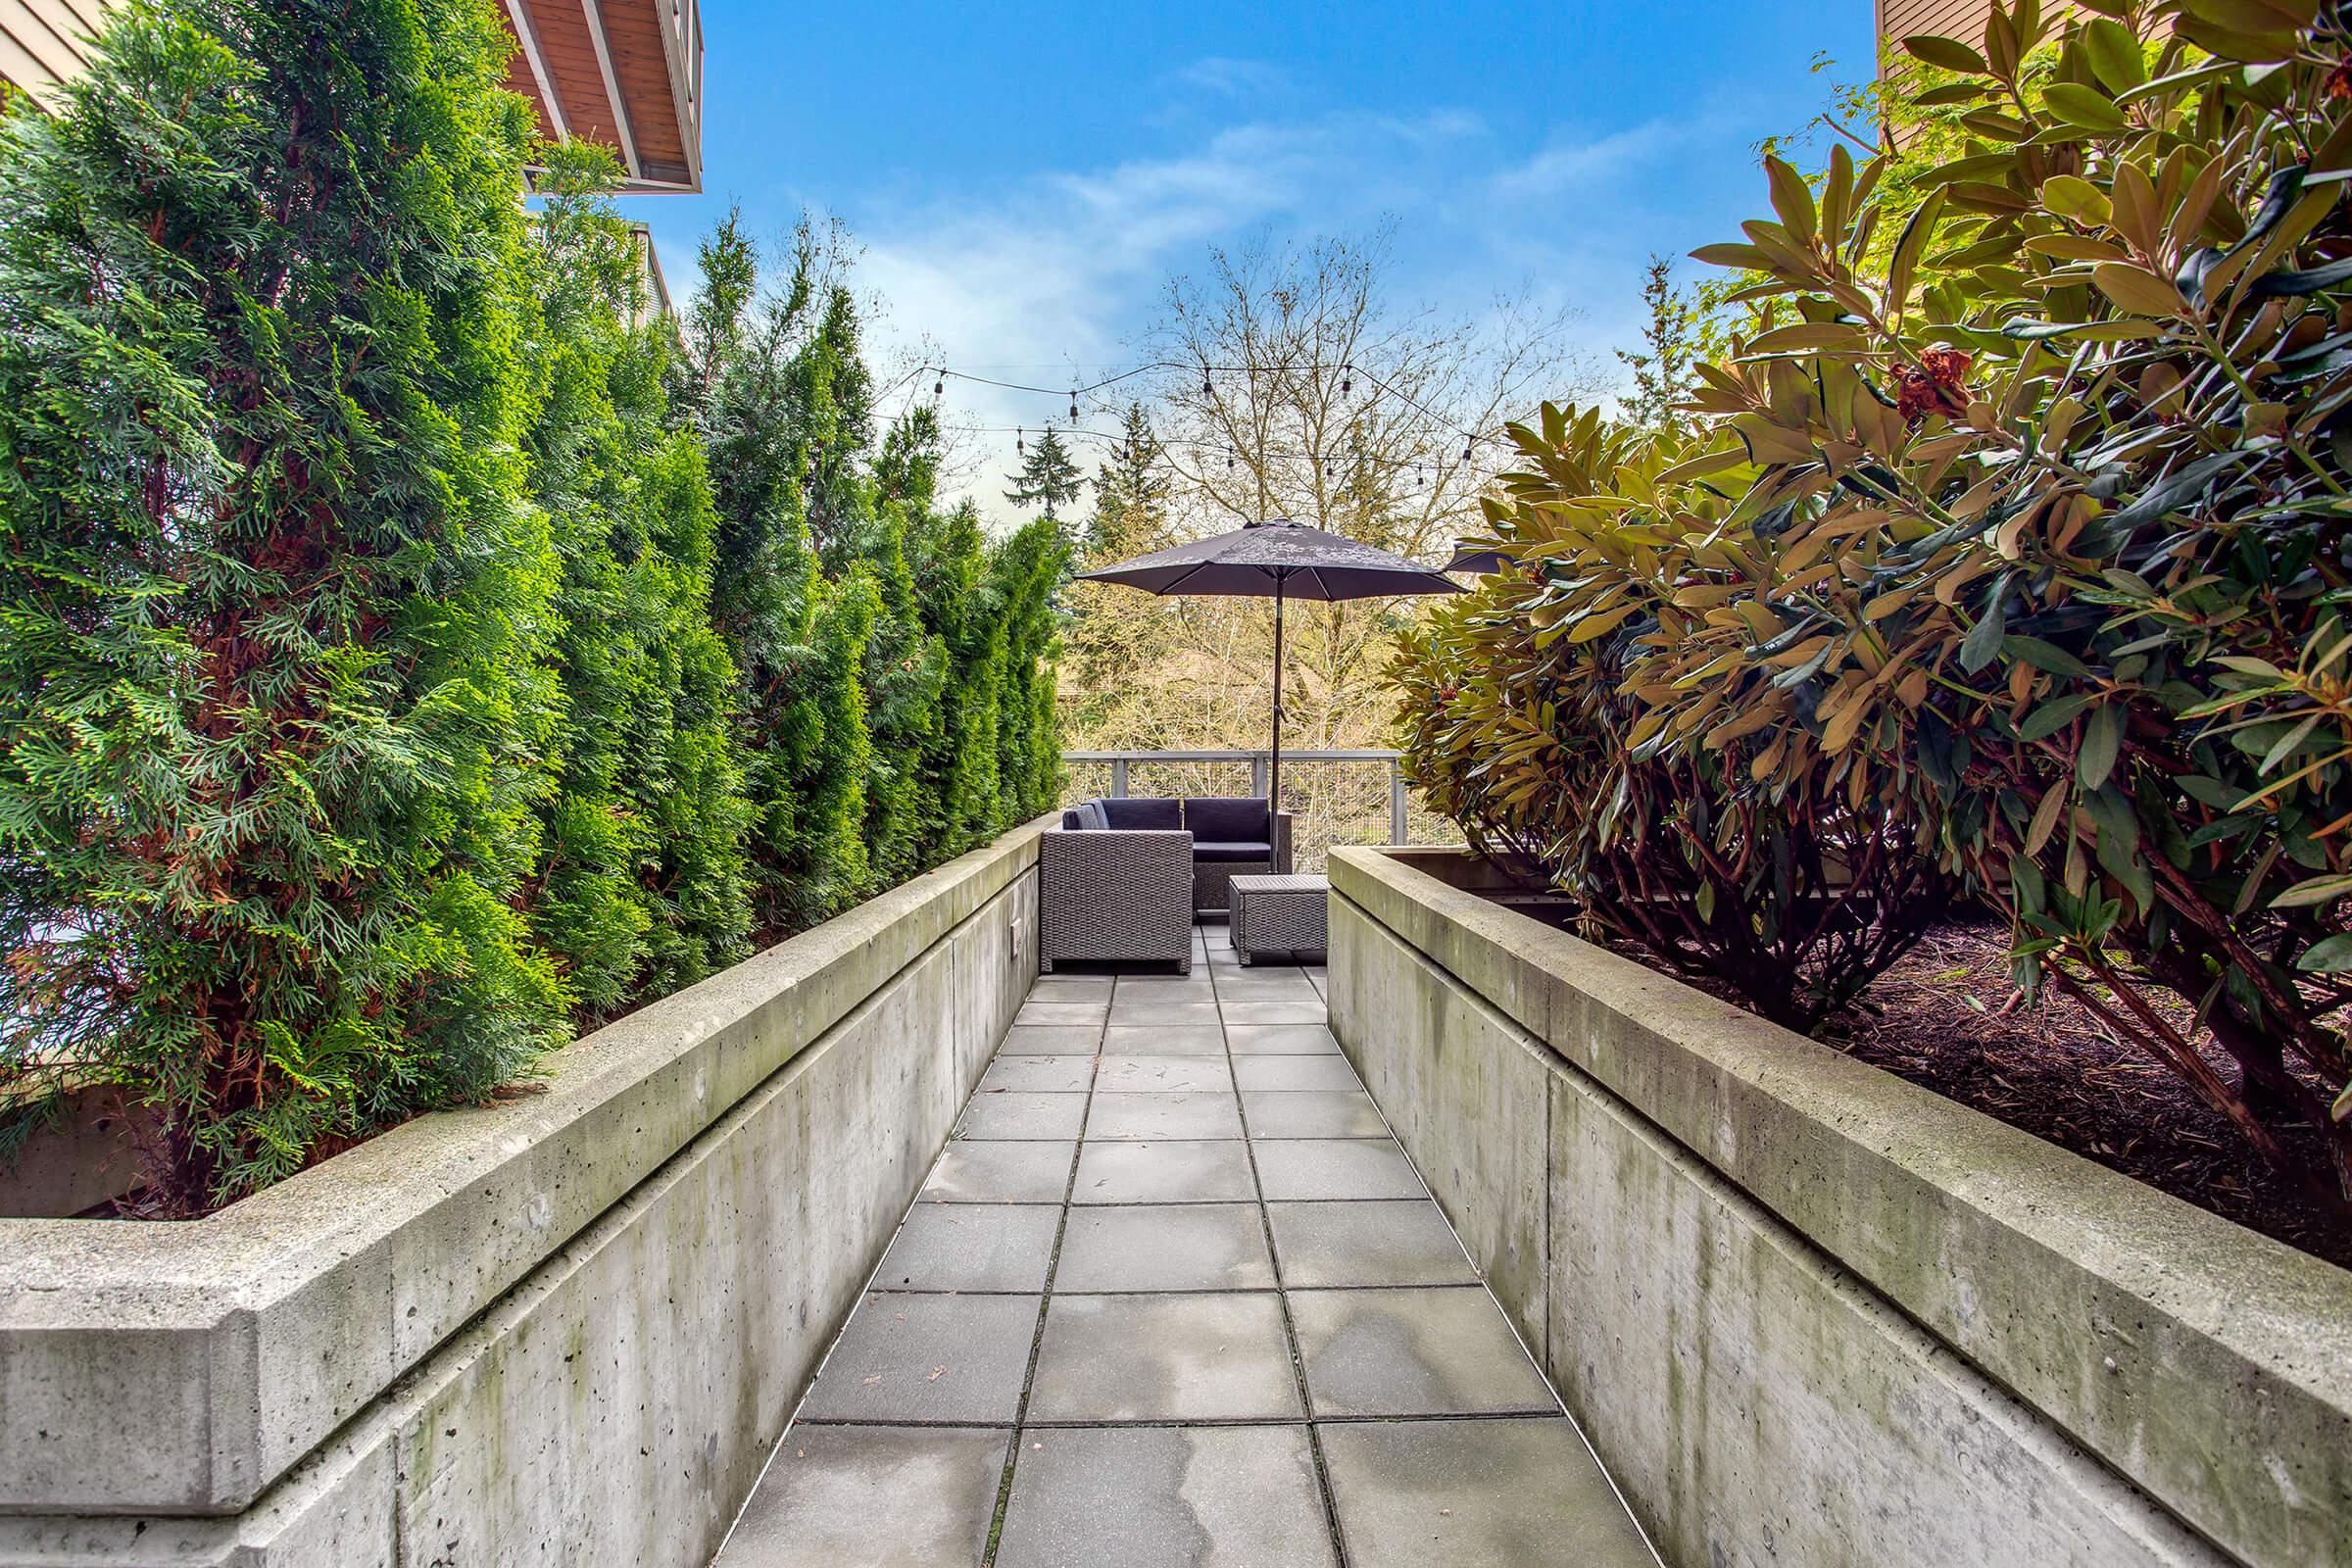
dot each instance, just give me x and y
(1946, 1018)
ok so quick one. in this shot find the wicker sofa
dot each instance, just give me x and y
(1121, 880)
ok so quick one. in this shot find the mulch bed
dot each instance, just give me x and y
(1946, 1018)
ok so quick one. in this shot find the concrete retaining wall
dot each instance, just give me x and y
(572, 1323)
(1810, 1313)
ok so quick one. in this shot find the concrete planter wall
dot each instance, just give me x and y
(1810, 1313)
(573, 1323)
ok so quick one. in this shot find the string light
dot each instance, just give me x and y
(940, 374)
(1020, 441)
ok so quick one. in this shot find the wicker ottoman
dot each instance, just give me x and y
(1285, 915)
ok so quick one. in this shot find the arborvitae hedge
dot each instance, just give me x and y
(405, 659)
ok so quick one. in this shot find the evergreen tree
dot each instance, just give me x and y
(1131, 493)
(797, 633)
(1050, 477)
(1661, 370)
(274, 673)
(643, 888)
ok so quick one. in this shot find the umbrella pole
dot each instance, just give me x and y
(1274, 783)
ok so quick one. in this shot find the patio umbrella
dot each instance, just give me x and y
(1481, 559)
(1276, 560)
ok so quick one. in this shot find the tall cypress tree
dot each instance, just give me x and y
(643, 886)
(272, 610)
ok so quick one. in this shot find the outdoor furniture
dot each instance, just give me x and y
(1233, 836)
(1280, 914)
(1230, 835)
(1115, 894)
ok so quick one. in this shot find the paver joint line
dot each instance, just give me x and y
(1173, 1248)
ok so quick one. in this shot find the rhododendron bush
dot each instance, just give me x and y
(2003, 556)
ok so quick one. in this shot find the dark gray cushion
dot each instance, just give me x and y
(1228, 819)
(1213, 850)
(1133, 812)
(1090, 815)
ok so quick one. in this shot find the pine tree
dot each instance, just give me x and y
(274, 674)
(1049, 477)
(1662, 373)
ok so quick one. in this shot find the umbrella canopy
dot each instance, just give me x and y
(1482, 560)
(1276, 560)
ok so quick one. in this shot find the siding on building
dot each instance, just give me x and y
(42, 42)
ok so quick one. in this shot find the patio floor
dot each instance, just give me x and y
(1174, 1295)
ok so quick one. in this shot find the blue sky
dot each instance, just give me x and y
(1022, 184)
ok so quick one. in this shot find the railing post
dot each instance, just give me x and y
(1257, 773)
(1396, 800)
(1118, 778)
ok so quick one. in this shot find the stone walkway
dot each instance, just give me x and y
(1173, 1295)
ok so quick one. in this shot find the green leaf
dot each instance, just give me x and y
(2116, 58)
(2085, 106)
(2051, 717)
(1950, 54)
(2048, 658)
(2072, 196)
(1913, 244)
(2312, 891)
(2137, 289)
(1792, 199)
(2102, 739)
(1984, 640)
(2327, 956)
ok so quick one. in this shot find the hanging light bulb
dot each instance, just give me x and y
(1020, 441)
(1228, 463)
(1346, 379)
(1466, 451)
(939, 384)
(1205, 389)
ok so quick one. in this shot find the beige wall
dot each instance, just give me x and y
(45, 41)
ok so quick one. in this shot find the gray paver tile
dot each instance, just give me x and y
(1476, 1495)
(1156, 988)
(1062, 1012)
(1367, 1243)
(1250, 1012)
(1312, 1113)
(1128, 1009)
(1052, 1039)
(1001, 1173)
(1164, 1116)
(1326, 1168)
(1294, 1072)
(1164, 1040)
(1166, 1497)
(1166, 1247)
(1072, 988)
(927, 1358)
(1174, 1171)
(1057, 1075)
(971, 1247)
(1276, 1040)
(1160, 1357)
(877, 1496)
(996, 1116)
(1423, 1351)
(1175, 1075)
